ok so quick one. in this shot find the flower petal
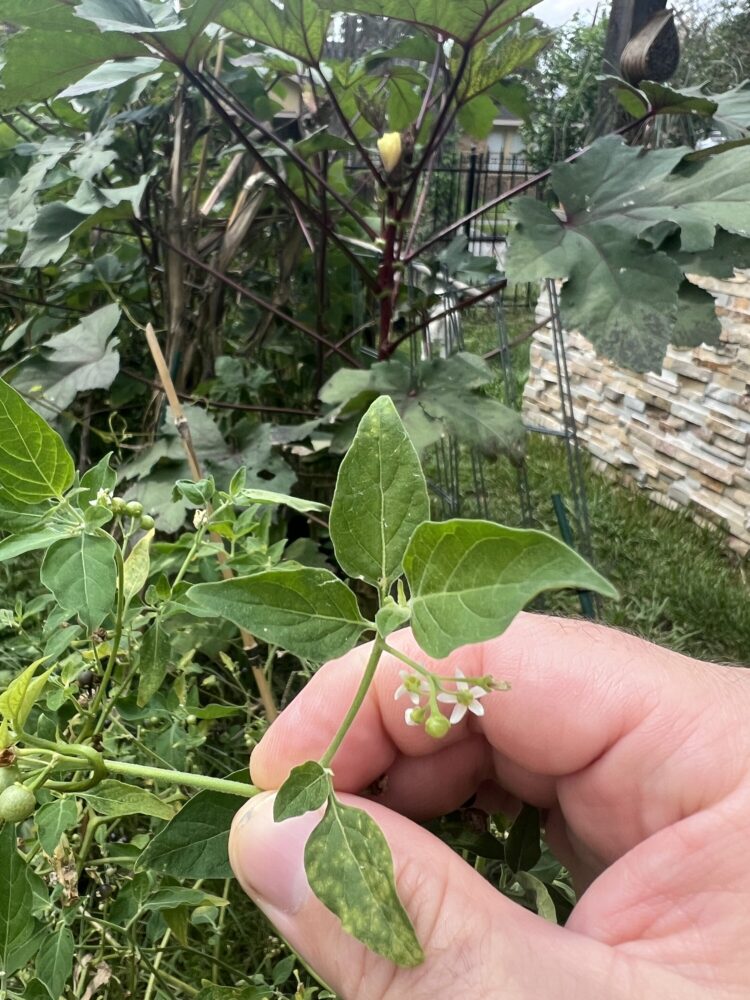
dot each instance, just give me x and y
(459, 711)
(477, 708)
(447, 698)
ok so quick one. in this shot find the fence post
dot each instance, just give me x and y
(470, 182)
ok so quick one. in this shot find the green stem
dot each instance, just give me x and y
(378, 647)
(162, 774)
(116, 637)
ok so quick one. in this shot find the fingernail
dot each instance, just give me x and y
(268, 857)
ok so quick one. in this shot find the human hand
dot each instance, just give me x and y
(642, 758)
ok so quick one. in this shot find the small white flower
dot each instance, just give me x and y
(199, 518)
(464, 699)
(411, 686)
(103, 498)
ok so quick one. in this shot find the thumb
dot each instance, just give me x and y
(477, 943)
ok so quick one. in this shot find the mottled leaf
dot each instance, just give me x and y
(350, 869)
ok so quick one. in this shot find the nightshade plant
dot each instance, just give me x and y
(454, 582)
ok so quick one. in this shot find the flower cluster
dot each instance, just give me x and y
(464, 695)
(103, 498)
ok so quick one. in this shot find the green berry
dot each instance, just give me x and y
(437, 726)
(17, 803)
(9, 776)
(147, 522)
(118, 505)
(134, 509)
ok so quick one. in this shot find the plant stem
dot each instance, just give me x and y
(163, 774)
(116, 637)
(378, 647)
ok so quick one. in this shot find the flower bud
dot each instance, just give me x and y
(437, 726)
(389, 147)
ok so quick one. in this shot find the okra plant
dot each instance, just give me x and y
(71, 738)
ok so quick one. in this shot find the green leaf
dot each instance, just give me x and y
(34, 464)
(23, 692)
(391, 616)
(17, 516)
(137, 566)
(130, 16)
(153, 660)
(174, 896)
(269, 497)
(523, 845)
(81, 359)
(26, 78)
(36, 990)
(81, 573)
(54, 963)
(194, 843)
(539, 894)
(436, 398)
(306, 789)
(350, 869)
(308, 612)
(100, 477)
(299, 28)
(28, 541)
(17, 926)
(462, 21)
(48, 238)
(697, 321)
(52, 820)
(477, 115)
(112, 74)
(469, 579)
(380, 498)
(211, 992)
(116, 798)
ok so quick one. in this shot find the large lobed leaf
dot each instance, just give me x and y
(299, 27)
(380, 498)
(469, 579)
(632, 223)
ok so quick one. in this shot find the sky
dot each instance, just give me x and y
(556, 12)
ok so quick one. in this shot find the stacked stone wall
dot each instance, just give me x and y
(682, 434)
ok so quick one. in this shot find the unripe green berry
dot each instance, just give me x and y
(9, 776)
(437, 726)
(147, 522)
(118, 505)
(134, 509)
(17, 803)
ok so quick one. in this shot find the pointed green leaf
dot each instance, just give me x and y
(380, 498)
(81, 573)
(100, 477)
(469, 579)
(153, 660)
(137, 566)
(350, 869)
(308, 612)
(523, 846)
(54, 963)
(306, 789)
(116, 798)
(270, 497)
(28, 541)
(17, 926)
(52, 820)
(130, 16)
(34, 464)
(194, 844)
(23, 692)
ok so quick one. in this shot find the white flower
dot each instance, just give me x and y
(103, 498)
(464, 699)
(414, 716)
(411, 686)
(199, 518)
(409, 716)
